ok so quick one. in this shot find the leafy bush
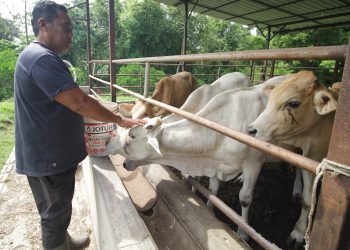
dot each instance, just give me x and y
(139, 77)
(8, 59)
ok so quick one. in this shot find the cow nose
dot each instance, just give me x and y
(252, 131)
(124, 165)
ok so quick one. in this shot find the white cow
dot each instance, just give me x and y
(300, 112)
(201, 96)
(199, 151)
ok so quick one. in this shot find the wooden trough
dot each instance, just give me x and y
(166, 214)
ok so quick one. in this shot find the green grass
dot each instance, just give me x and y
(7, 130)
(120, 98)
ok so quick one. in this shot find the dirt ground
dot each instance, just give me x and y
(273, 212)
(19, 220)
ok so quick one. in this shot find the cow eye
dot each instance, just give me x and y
(131, 135)
(293, 104)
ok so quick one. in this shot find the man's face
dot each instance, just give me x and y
(60, 33)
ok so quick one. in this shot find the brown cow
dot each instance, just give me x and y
(300, 112)
(172, 90)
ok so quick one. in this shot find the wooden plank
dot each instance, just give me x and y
(134, 181)
(116, 221)
(206, 230)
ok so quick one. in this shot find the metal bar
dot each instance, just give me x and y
(147, 76)
(257, 11)
(267, 46)
(88, 40)
(251, 75)
(332, 25)
(111, 40)
(227, 13)
(238, 220)
(340, 139)
(184, 39)
(320, 11)
(69, 8)
(278, 152)
(330, 229)
(95, 94)
(272, 71)
(311, 53)
(219, 6)
(288, 12)
(336, 69)
(316, 18)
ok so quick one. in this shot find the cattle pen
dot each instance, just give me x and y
(328, 228)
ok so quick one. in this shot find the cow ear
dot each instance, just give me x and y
(268, 88)
(324, 102)
(154, 143)
(152, 123)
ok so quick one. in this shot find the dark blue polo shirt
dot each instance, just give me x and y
(49, 136)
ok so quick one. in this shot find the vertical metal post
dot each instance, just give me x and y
(147, 76)
(88, 41)
(340, 139)
(267, 46)
(272, 71)
(251, 75)
(331, 224)
(336, 69)
(184, 40)
(111, 40)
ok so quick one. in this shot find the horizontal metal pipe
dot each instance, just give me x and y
(96, 95)
(310, 53)
(307, 53)
(237, 219)
(278, 152)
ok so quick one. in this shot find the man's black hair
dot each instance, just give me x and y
(47, 10)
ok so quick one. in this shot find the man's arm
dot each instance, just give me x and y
(76, 100)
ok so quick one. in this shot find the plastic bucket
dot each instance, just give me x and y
(98, 133)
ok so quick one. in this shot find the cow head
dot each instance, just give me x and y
(140, 142)
(294, 107)
(141, 109)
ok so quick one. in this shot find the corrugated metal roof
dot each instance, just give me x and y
(281, 15)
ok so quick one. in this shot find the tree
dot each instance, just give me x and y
(8, 29)
(148, 30)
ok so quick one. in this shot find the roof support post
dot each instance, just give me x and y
(111, 41)
(88, 41)
(331, 223)
(184, 40)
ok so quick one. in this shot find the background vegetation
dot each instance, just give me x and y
(147, 28)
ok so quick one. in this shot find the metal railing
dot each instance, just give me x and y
(315, 53)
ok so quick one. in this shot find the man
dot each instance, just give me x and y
(49, 110)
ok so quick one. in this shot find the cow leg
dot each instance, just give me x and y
(296, 238)
(250, 176)
(297, 186)
(214, 184)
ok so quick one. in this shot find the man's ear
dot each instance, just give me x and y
(42, 23)
(267, 89)
(324, 102)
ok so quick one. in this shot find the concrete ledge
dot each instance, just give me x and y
(117, 224)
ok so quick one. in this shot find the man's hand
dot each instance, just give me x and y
(128, 123)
